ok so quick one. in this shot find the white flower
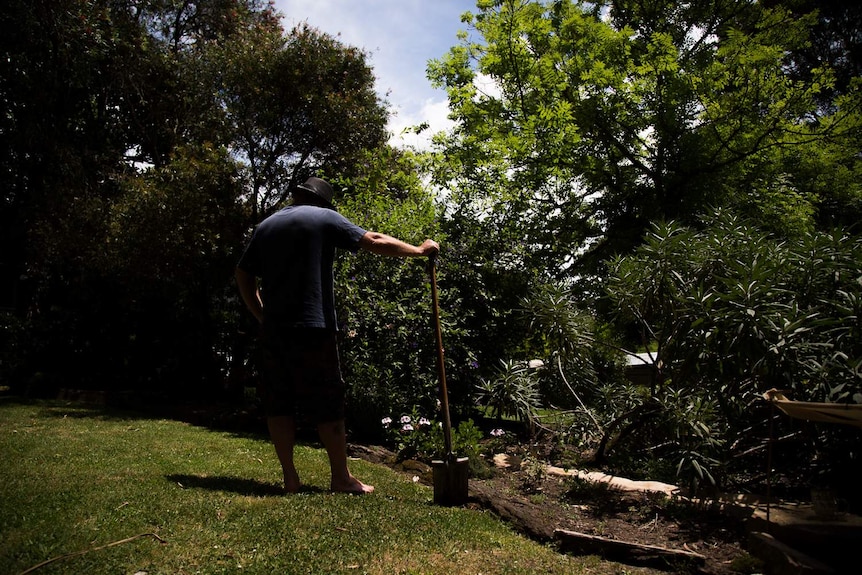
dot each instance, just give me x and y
(423, 422)
(386, 421)
(497, 432)
(405, 419)
(407, 427)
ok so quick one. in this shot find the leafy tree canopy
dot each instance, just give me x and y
(140, 142)
(577, 124)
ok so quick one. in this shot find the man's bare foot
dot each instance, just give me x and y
(292, 483)
(352, 485)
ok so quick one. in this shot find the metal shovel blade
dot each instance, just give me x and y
(450, 480)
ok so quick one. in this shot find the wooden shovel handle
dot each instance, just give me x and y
(441, 367)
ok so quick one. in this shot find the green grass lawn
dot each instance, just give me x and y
(75, 479)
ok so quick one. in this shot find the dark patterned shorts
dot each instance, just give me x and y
(300, 374)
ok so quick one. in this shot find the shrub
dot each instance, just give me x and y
(514, 392)
(414, 436)
(731, 313)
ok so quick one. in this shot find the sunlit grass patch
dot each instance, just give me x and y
(76, 479)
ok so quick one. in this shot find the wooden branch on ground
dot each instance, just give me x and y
(85, 551)
(625, 551)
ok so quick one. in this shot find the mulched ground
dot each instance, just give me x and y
(537, 504)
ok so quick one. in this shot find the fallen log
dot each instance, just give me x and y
(613, 482)
(626, 552)
(522, 515)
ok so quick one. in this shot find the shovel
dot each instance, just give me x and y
(450, 474)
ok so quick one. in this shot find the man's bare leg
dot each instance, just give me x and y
(282, 431)
(334, 439)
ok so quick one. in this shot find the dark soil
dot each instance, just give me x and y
(537, 503)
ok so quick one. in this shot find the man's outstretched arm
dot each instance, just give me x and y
(384, 245)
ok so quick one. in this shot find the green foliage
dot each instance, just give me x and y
(767, 308)
(577, 124)
(500, 442)
(579, 489)
(413, 436)
(746, 563)
(466, 438)
(170, 251)
(533, 473)
(296, 104)
(728, 312)
(155, 273)
(731, 313)
(141, 143)
(483, 291)
(389, 346)
(512, 392)
(563, 337)
(417, 437)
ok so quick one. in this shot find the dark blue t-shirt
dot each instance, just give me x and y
(293, 252)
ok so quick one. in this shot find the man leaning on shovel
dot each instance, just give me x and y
(292, 253)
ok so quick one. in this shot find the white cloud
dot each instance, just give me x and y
(433, 112)
(487, 86)
(400, 37)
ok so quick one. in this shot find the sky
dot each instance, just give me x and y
(399, 38)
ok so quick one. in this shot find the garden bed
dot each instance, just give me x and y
(652, 529)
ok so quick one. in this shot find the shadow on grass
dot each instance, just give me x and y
(238, 421)
(236, 485)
